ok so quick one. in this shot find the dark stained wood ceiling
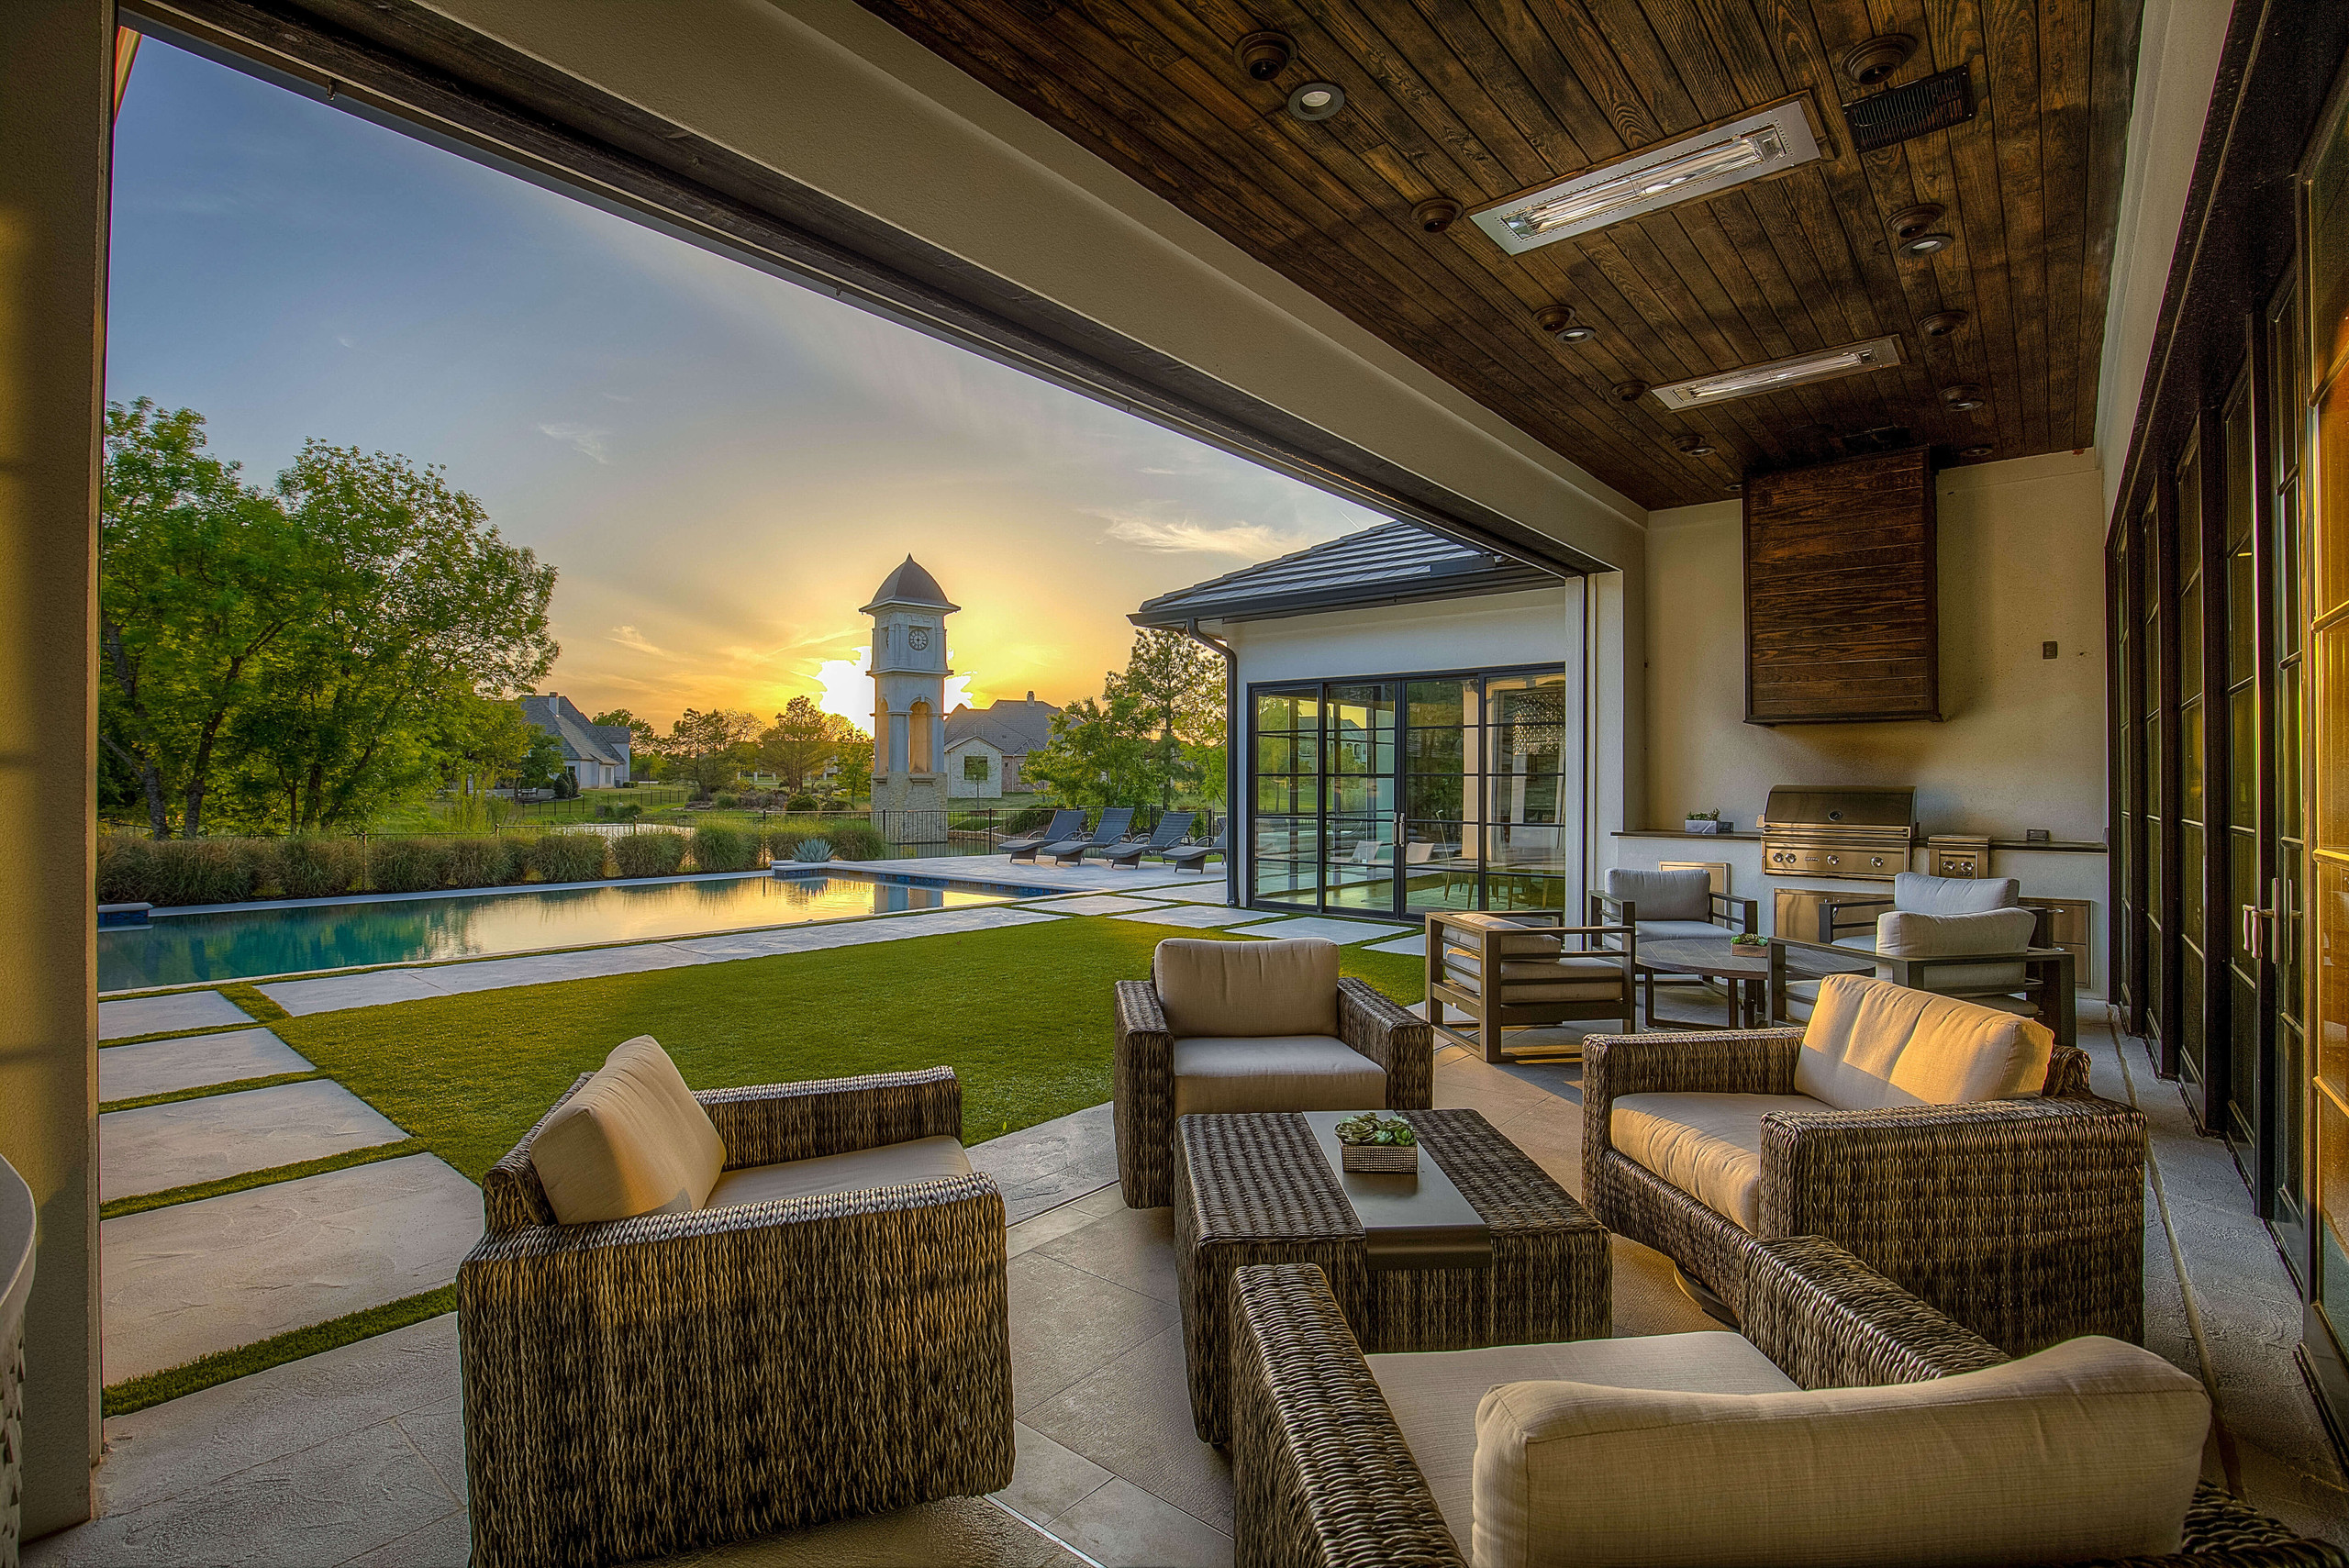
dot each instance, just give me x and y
(1476, 100)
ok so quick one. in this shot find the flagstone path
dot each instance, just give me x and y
(173, 1010)
(168, 1066)
(183, 1142)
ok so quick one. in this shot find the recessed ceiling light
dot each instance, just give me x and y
(1927, 244)
(1911, 222)
(1942, 323)
(1701, 164)
(1554, 318)
(1631, 391)
(1877, 353)
(1694, 446)
(1317, 100)
(1578, 335)
(1734, 488)
(1974, 451)
(1963, 399)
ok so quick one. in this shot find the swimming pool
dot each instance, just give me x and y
(245, 944)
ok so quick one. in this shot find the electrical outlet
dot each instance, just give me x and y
(2047, 650)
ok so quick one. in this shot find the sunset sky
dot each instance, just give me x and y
(723, 465)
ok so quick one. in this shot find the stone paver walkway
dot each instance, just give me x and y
(378, 987)
(168, 1066)
(1197, 915)
(1327, 929)
(1099, 904)
(1090, 877)
(1415, 945)
(185, 1281)
(182, 1142)
(172, 1010)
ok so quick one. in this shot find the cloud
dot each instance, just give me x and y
(629, 637)
(1249, 541)
(579, 438)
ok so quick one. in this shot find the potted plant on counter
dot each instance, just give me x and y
(1708, 822)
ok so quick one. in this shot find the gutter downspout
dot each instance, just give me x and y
(1234, 730)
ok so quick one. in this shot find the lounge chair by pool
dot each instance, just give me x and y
(1193, 857)
(1172, 829)
(1065, 825)
(1115, 821)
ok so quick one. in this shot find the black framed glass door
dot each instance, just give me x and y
(1394, 795)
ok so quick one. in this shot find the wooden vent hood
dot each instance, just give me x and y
(1839, 616)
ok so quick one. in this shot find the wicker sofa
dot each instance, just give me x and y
(2022, 1218)
(1260, 1026)
(1324, 1477)
(644, 1386)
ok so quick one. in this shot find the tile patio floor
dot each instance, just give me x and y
(357, 1455)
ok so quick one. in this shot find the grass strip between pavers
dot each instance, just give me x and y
(205, 1091)
(138, 1393)
(248, 997)
(268, 1176)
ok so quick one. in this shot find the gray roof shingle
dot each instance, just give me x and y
(1393, 563)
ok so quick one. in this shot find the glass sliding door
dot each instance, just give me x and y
(1286, 796)
(2187, 1027)
(2279, 532)
(1444, 752)
(1359, 842)
(1529, 800)
(1387, 796)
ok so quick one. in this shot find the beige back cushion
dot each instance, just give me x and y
(2088, 1449)
(1903, 935)
(1871, 1044)
(1211, 988)
(632, 1141)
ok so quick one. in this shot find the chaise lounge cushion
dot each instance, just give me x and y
(1901, 934)
(1434, 1394)
(2088, 1449)
(1508, 938)
(859, 1170)
(632, 1141)
(1247, 988)
(1214, 1074)
(1870, 1045)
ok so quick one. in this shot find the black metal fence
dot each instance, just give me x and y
(952, 831)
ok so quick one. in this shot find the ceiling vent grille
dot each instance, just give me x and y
(1935, 103)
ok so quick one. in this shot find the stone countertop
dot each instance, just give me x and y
(2055, 846)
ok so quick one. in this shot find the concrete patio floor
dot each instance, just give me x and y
(357, 1455)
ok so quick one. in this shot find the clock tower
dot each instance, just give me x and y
(910, 675)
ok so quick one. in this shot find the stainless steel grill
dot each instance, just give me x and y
(1815, 831)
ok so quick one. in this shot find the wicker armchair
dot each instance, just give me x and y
(651, 1386)
(2021, 1218)
(1323, 1478)
(1392, 1039)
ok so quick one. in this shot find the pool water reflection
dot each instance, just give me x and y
(244, 944)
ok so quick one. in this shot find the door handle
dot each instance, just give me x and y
(2257, 925)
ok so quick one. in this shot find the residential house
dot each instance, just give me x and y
(595, 755)
(987, 747)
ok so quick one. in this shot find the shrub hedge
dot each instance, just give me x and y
(648, 855)
(719, 848)
(231, 871)
(569, 857)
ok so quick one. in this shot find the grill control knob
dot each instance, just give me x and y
(1834, 862)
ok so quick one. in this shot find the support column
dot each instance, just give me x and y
(54, 121)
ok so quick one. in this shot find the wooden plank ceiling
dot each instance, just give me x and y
(1476, 100)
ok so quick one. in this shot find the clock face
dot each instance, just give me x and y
(918, 639)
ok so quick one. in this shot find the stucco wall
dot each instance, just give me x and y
(2022, 741)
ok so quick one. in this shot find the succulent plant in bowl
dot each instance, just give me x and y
(1371, 1142)
(1369, 1127)
(1746, 939)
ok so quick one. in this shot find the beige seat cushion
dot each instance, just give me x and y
(1434, 1394)
(2086, 1450)
(860, 1170)
(1953, 895)
(1278, 1073)
(1871, 1044)
(632, 1141)
(1247, 988)
(1905, 935)
(1562, 979)
(1684, 892)
(1709, 1146)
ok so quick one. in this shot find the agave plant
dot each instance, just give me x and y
(813, 851)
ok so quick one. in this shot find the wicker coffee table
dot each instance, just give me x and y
(1257, 1189)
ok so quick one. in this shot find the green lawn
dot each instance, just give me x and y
(1021, 1014)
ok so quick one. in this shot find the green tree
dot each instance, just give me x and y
(420, 604)
(803, 738)
(855, 776)
(1176, 686)
(644, 740)
(1100, 753)
(200, 577)
(701, 746)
